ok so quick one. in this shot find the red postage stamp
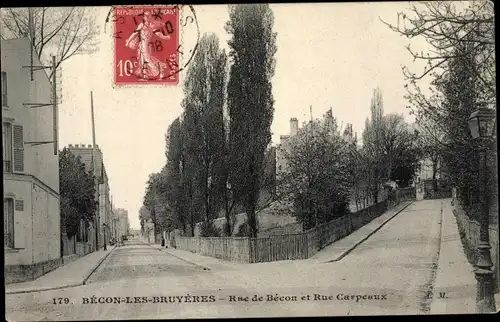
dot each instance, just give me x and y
(146, 45)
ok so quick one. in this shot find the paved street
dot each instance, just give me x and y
(139, 261)
(393, 269)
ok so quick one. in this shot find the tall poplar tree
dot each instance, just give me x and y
(250, 100)
(204, 134)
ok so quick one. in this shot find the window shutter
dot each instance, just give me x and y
(19, 231)
(18, 140)
(4, 89)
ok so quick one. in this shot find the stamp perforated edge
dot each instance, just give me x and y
(179, 42)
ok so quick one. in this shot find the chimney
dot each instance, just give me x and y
(76, 145)
(294, 126)
(90, 145)
(70, 146)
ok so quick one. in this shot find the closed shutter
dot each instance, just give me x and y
(18, 139)
(19, 230)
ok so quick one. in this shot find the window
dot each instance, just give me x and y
(4, 89)
(8, 222)
(18, 144)
(7, 146)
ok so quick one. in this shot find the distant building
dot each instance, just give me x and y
(104, 219)
(285, 140)
(32, 244)
(284, 148)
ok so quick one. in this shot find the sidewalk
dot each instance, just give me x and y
(455, 285)
(333, 252)
(337, 250)
(203, 262)
(73, 274)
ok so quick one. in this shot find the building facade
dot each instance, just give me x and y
(95, 163)
(285, 140)
(32, 243)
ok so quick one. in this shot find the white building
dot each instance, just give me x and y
(284, 147)
(31, 168)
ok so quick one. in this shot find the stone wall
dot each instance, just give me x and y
(23, 273)
(469, 229)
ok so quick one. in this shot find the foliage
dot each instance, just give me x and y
(314, 182)
(189, 187)
(462, 66)
(204, 135)
(389, 146)
(67, 31)
(77, 188)
(208, 229)
(250, 100)
(401, 155)
(446, 25)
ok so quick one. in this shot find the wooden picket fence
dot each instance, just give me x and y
(290, 246)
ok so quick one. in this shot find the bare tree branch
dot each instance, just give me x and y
(68, 31)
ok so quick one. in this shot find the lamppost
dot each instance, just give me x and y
(104, 226)
(481, 125)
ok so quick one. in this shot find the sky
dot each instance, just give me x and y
(330, 55)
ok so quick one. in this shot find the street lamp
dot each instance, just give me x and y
(104, 225)
(481, 125)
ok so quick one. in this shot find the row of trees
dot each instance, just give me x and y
(77, 194)
(461, 68)
(219, 160)
(389, 151)
(216, 149)
(323, 170)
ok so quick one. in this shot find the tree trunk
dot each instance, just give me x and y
(227, 215)
(252, 221)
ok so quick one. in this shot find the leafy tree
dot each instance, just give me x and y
(314, 184)
(174, 191)
(250, 100)
(429, 138)
(151, 199)
(77, 189)
(462, 66)
(204, 139)
(373, 143)
(144, 216)
(400, 153)
(67, 30)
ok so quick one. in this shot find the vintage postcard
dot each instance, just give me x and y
(249, 160)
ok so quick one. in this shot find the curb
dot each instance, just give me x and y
(350, 249)
(182, 259)
(97, 266)
(429, 302)
(43, 289)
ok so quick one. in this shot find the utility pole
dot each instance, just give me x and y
(31, 28)
(55, 112)
(96, 181)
